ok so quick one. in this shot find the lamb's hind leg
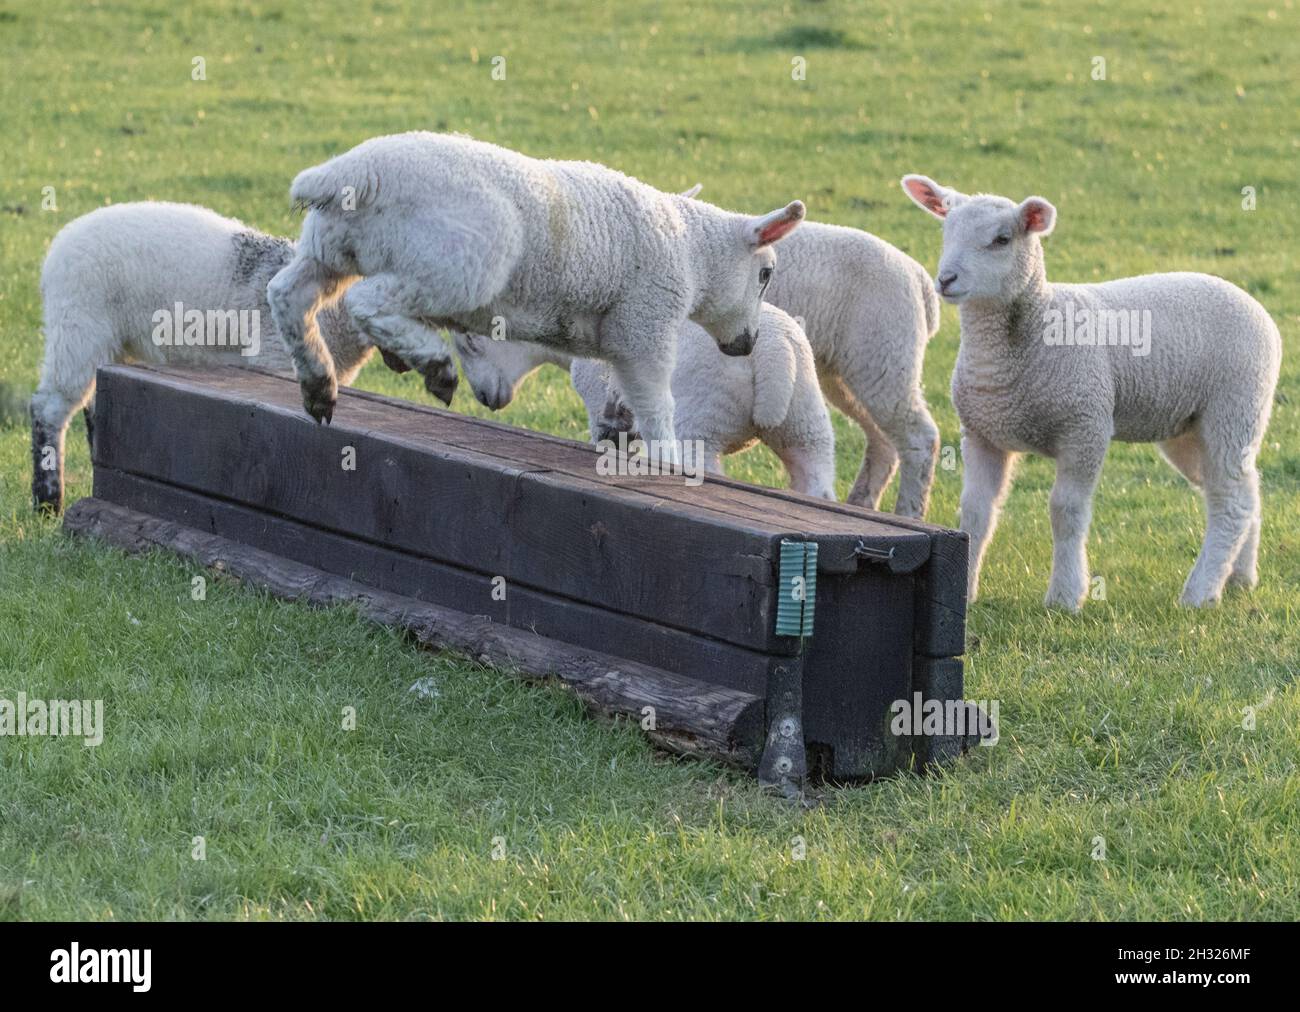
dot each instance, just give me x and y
(295, 295)
(388, 309)
(1232, 510)
(879, 457)
(51, 410)
(811, 469)
(1230, 436)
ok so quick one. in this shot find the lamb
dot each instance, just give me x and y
(869, 310)
(447, 231)
(1187, 361)
(728, 404)
(110, 286)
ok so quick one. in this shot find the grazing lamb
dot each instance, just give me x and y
(451, 232)
(868, 308)
(1187, 361)
(110, 273)
(728, 404)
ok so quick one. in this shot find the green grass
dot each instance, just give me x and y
(224, 716)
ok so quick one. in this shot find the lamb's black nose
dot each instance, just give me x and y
(739, 346)
(945, 280)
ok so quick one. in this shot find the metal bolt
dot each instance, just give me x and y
(788, 727)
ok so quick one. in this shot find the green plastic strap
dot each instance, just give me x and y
(798, 591)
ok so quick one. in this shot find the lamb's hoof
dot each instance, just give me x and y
(1064, 601)
(613, 431)
(48, 507)
(1198, 599)
(440, 379)
(319, 397)
(393, 362)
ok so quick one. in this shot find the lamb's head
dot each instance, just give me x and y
(495, 369)
(742, 261)
(991, 245)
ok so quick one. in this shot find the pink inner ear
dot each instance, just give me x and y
(1035, 218)
(927, 197)
(776, 230)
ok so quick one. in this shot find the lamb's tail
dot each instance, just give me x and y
(774, 374)
(345, 182)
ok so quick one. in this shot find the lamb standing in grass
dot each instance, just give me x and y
(868, 308)
(728, 404)
(108, 274)
(452, 232)
(1187, 361)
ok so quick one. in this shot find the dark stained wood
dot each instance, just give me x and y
(939, 679)
(409, 575)
(689, 568)
(689, 716)
(680, 581)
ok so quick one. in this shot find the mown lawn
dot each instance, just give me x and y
(1122, 728)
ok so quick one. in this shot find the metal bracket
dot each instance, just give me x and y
(784, 764)
(873, 554)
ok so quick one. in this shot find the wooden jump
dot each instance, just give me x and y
(669, 604)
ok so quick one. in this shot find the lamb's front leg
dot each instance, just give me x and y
(648, 392)
(639, 340)
(1077, 472)
(295, 295)
(985, 483)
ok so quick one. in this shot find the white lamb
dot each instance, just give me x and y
(1187, 361)
(727, 404)
(447, 231)
(868, 310)
(108, 274)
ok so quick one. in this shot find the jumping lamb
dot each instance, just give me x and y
(108, 276)
(1187, 361)
(447, 231)
(868, 309)
(728, 404)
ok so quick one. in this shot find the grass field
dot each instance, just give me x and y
(1122, 725)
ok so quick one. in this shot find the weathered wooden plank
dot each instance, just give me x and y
(429, 427)
(603, 545)
(409, 575)
(689, 716)
(940, 678)
(858, 661)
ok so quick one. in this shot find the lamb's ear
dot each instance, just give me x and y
(1036, 215)
(694, 191)
(770, 227)
(928, 194)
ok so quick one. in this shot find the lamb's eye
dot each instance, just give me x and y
(764, 276)
(1001, 240)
